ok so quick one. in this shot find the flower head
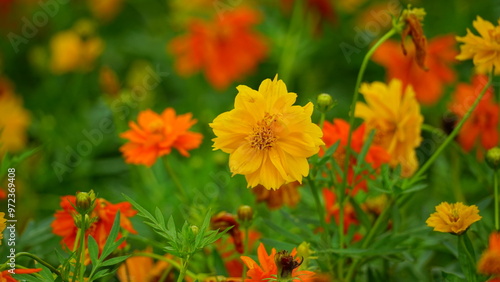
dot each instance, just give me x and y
(14, 119)
(226, 49)
(481, 129)
(105, 10)
(412, 18)
(103, 217)
(338, 131)
(288, 194)
(268, 267)
(268, 139)
(490, 259)
(75, 49)
(428, 85)
(230, 255)
(2, 225)
(395, 115)
(142, 268)
(484, 50)
(453, 218)
(155, 135)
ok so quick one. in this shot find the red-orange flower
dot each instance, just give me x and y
(339, 131)
(428, 85)
(268, 269)
(5, 276)
(143, 268)
(155, 135)
(490, 259)
(288, 194)
(333, 209)
(104, 214)
(481, 129)
(226, 49)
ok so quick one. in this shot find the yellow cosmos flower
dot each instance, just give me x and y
(453, 218)
(484, 50)
(2, 225)
(268, 139)
(13, 121)
(395, 116)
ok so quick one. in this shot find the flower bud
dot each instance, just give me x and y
(195, 229)
(325, 102)
(85, 201)
(493, 158)
(245, 214)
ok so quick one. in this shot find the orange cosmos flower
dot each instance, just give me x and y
(394, 113)
(142, 268)
(105, 10)
(288, 194)
(5, 276)
(268, 139)
(332, 209)
(428, 85)
(226, 49)
(339, 131)
(481, 129)
(104, 214)
(275, 264)
(490, 259)
(484, 50)
(155, 135)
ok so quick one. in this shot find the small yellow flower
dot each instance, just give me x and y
(268, 139)
(453, 218)
(484, 50)
(2, 225)
(394, 113)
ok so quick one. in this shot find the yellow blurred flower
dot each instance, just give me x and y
(13, 121)
(453, 218)
(395, 116)
(490, 260)
(105, 10)
(268, 139)
(2, 225)
(75, 49)
(484, 50)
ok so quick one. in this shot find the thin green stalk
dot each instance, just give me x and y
(290, 43)
(168, 260)
(82, 255)
(368, 239)
(497, 215)
(184, 264)
(175, 179)
(245, 252)
(319, 206)
(340, 265)
(41, 261)
(454, 133)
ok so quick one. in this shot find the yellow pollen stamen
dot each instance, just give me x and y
(264, 133)
(155, 126)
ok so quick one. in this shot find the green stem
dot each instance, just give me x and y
(352, 110)
(82, 256)
(454, 133)
(497, 214)
(319, 206)
(41, 261)
(340, 265)
(184, 264)
(368, 239)
(245, 252)
(175, 179)
(290, 43)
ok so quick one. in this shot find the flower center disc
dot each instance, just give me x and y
(263, 136)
